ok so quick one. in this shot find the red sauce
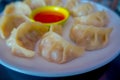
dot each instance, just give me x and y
(49, 16)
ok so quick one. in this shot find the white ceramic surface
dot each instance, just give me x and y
(88, 62)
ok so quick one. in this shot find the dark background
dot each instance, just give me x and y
(110, 71)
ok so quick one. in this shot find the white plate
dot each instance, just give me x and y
(90, 61)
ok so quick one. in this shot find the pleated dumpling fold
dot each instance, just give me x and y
(99, 19)
(9, 22)
(55, 49)
(23, 39)
(89, 36)
(17, 8)
(82, 10)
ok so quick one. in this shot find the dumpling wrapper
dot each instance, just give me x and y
(89, 36)
(54, 2)
(17, 8)
(9, 22)
(82, 10)
(35, 3)
(56, 28)
(55, 49)
(70, 4)
(23, 39)
(99, 19)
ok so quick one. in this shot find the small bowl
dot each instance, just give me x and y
(64, 12)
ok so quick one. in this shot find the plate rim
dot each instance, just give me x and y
(41, 74)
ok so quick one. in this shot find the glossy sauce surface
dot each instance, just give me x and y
(49, 16)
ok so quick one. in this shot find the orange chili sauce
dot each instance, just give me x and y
(49, 16)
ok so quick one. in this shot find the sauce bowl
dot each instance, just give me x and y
(49, 15)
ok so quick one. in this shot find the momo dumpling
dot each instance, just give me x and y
(55, 49)
(82, 10)
(17, 8)
(23, 39)
(54, 2)
(89, 36)
(35, 3)
(99, 19)
(9, 22)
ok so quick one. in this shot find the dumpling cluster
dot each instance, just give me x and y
(89, 29)
(23, 39)
(18, 12)
(33, 37)
(26, 38)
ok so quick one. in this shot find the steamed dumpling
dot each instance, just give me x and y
(55, 49)
(17, 8)
(9, 22)
(99, 19)
(23, 39)
(35, 3)
(90, 37)
(82, 10)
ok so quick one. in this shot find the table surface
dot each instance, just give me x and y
(111, 71)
